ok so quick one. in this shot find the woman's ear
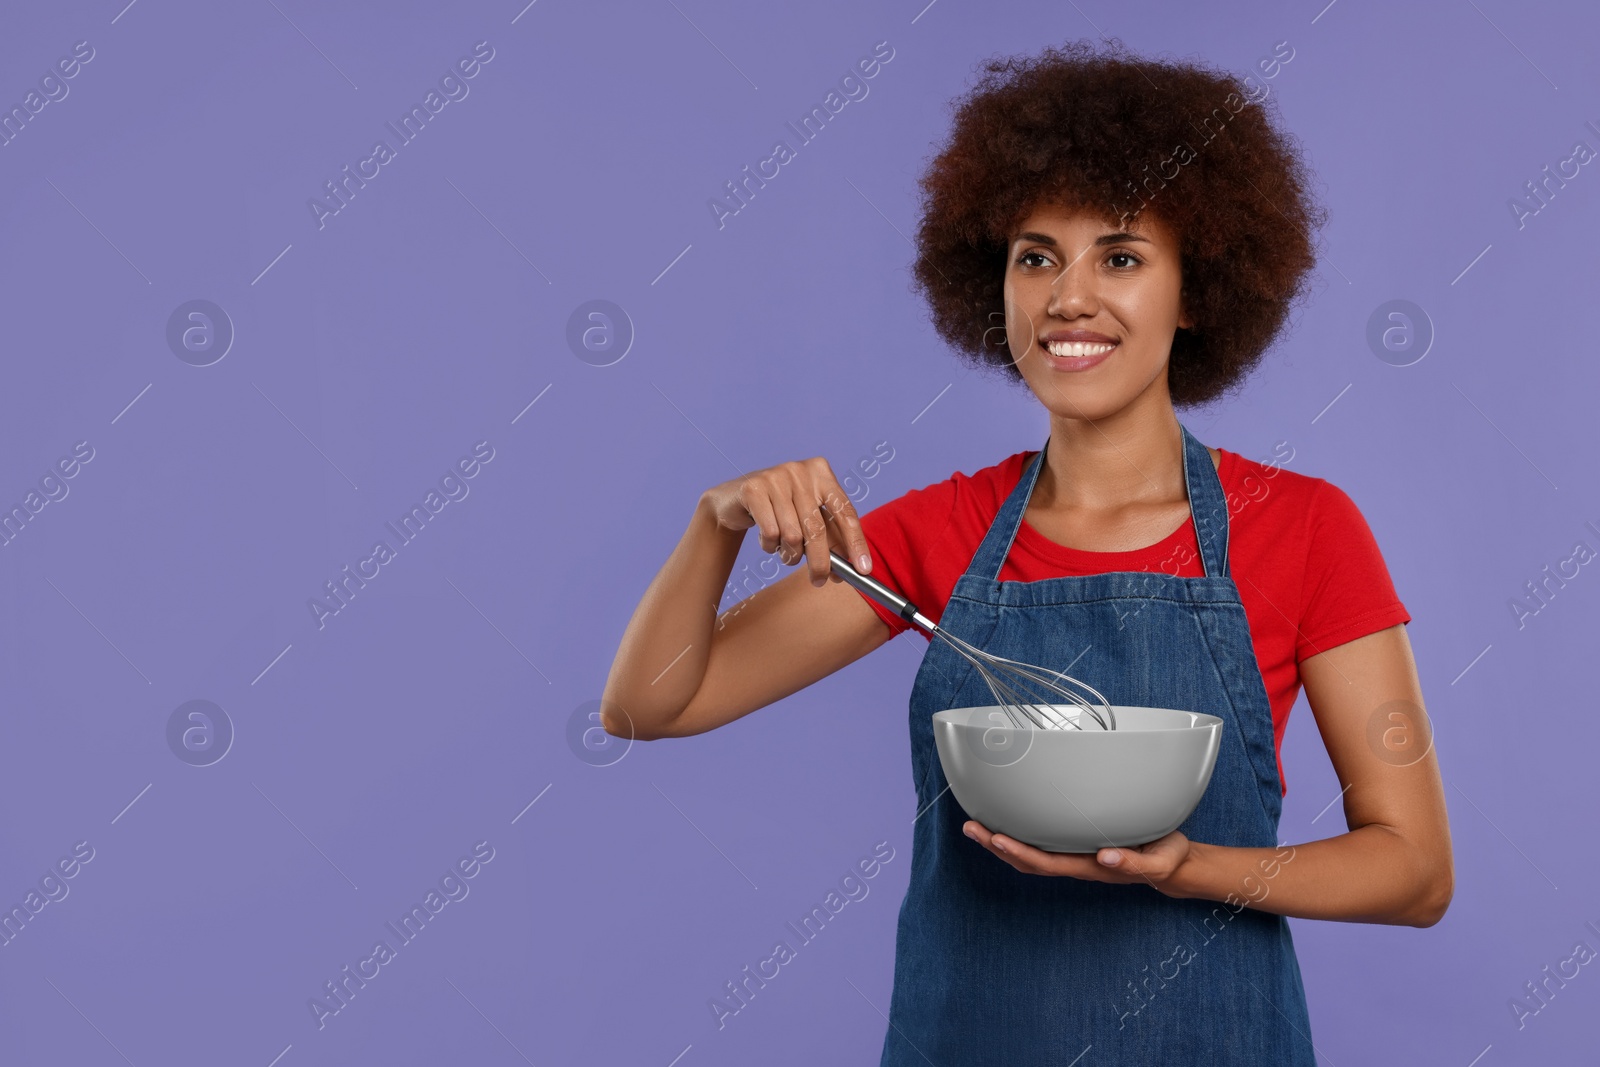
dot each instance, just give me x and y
(1185, 320)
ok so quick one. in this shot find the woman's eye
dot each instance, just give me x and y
(1039, 259)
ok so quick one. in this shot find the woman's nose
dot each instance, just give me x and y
(1072, 292)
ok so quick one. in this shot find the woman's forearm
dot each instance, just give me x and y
(662, 657)
(1370, 874)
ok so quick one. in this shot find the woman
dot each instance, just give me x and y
(1131, 276)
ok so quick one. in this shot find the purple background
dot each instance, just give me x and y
(373, 352)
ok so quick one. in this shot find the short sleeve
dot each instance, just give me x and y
(900, 534)
(1347, 591)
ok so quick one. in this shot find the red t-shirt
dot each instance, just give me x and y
(1308, 569)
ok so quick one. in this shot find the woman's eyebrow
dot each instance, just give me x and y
(1107, 239)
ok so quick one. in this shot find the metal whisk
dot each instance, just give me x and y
(1015, 685)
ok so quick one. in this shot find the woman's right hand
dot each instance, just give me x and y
(799, 508)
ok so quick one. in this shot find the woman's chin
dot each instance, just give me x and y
(1081, 401)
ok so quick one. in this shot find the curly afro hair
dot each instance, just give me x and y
(1115, 134)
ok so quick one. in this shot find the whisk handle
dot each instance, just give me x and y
(882, 594)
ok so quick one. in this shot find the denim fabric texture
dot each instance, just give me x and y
(994, 966)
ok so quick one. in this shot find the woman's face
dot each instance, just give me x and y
(1091, 308)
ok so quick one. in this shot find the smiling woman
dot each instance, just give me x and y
(1073, 129)
(1117, 552)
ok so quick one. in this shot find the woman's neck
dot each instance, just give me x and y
(1130, 459)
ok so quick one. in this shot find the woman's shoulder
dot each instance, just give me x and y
(1311, 550)
(922, 539)
(1291, 496)
(984, 488)
(1285, 514)
(1263, 495)
(924, 515)
(1300, 497)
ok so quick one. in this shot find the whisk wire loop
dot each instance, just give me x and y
(1009, 681)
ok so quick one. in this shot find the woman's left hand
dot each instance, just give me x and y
(1155, 863)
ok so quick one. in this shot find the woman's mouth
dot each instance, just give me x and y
(1076, 355)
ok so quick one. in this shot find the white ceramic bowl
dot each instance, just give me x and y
(1079, 790)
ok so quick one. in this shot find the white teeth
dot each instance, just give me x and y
(1077, 348)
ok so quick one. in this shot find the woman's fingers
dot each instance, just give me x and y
(832, 524)
(810, 485)
(752, 497)
(1131, 864)
(800, 510)
(790, 519)
(820, 501)
(847, 529)
(827, 499)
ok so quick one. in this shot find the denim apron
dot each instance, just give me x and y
(994, 966)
